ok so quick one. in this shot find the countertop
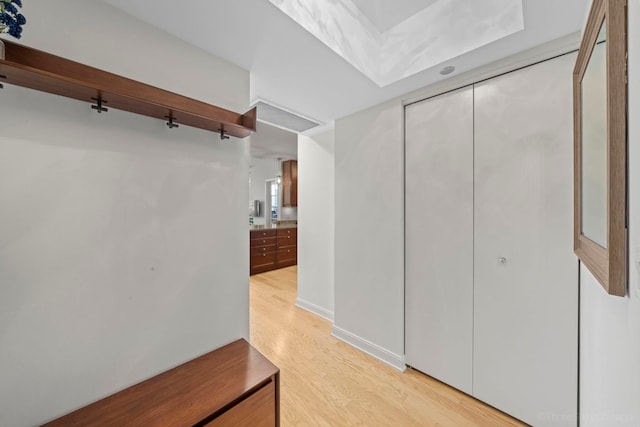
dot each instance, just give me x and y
(271, 227)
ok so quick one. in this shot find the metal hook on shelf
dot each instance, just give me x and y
(222, 135)
(171, 123)
(98, 107)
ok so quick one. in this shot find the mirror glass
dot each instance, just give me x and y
(594, 143)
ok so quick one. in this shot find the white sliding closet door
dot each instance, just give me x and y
(439, 237)
(525, 283)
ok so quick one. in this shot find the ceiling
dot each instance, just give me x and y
(385, 14)
(445, 30)
(270, 142)
(292, 69)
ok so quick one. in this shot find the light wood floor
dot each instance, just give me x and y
(325, 382)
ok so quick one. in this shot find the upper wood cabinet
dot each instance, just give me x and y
(35, 69)
(290, 183)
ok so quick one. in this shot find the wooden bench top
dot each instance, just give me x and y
(186, 395)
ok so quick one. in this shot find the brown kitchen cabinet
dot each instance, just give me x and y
(263, 250)
(234, 385)
(287, 247)
(271, 249)
(290, 183)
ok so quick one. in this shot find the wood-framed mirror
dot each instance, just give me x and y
(600, 146)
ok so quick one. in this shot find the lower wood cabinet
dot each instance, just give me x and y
(263, 262)
(254, 411)
(287, 257)
(287, 247)
(262, 245)
(232, 386)
(272, 249)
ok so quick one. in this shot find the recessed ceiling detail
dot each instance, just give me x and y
(283, 119)
(385, 14)
(438, 33)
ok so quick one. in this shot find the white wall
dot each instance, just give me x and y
(260, 171)
(369, 231)
(610, 326)
(316, 222)
(271, 142)
(123, 248)
(288, 213)
(97, 34)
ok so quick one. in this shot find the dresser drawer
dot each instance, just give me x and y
(263, 241)
(264, 262)
(284, 232)
(261, 250)
(287, 255)
(287, 241)
(258, 234)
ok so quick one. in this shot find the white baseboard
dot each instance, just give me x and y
(315, 309)
(391, 359)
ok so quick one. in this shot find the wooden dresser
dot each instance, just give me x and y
(287, 247)
(262, 247)
(233, 386)
(271, 249)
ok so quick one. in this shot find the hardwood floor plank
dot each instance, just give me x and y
(325, 382)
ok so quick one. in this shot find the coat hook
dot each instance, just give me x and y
(171, 123)
(222, 135)
(99, 108)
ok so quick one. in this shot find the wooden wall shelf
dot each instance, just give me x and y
(35, 69)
